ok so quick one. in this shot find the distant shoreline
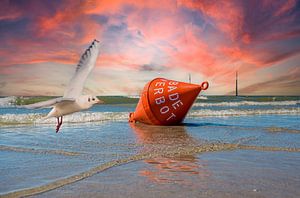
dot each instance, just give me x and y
(24, 100)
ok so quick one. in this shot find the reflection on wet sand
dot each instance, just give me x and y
(281, 130)
(174, 170)
(171, 169)
(169, 150)
(162, 135)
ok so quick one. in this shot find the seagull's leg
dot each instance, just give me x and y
(61, 120)
(57, 126)
(59, 123)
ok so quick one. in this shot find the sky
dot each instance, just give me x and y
(41, 42)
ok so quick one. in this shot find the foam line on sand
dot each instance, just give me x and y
(210, 147)
(38, 151)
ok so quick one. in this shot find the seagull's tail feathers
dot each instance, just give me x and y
(42, 119)
(50, 114)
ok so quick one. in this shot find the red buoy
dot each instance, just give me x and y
(165, 102)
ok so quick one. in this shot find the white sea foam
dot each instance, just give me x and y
(133, 96)
(202, 97)
(84, 117)
(241, 112)
(81, 117)
(7, 101)
(249, 103)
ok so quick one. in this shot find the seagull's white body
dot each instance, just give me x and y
(73, 101)
(66, 107)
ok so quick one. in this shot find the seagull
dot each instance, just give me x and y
(72, 100)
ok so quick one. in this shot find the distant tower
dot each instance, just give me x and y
(236, 84)
(190, 78)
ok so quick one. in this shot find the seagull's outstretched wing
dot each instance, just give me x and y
(84, 67)
(48, 103)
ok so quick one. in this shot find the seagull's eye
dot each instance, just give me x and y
(93, 98)
(89, 99)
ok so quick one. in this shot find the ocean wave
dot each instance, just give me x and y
(84, 117)
(81, 117)
(202, 98)
(242, 112)
(7, 101)
(249, 103)
(133, 96)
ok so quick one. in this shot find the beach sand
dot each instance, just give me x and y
(221, 174)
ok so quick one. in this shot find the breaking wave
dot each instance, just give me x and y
(83, 117)
(249, 103)
(37, 118)
(7, 101)
(243, 112)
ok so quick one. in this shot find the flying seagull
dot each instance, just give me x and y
(73, 101)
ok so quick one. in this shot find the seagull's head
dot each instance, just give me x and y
(88, 101)
(94, 100)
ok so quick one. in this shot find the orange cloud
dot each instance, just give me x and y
(116, 61)
(67, 22)
(257, 58)
(208, 38)
(238, 54)
(38, 53)
(227, 15)
(115, 6)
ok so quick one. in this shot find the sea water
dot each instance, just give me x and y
(223, 142)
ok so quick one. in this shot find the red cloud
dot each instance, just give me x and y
(137, 33)
(227, 15)
(9, 12)
(66, 23)
(285, 7)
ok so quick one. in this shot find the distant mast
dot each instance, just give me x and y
(236, 84)
(190, 78)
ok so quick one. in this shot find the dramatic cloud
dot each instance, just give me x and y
(287, 84)
(41, 42)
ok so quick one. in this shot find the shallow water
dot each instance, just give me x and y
(252, 155)
(240, 173)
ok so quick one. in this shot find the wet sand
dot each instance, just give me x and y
(237, 173)
(170, 156)
(185, 163)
